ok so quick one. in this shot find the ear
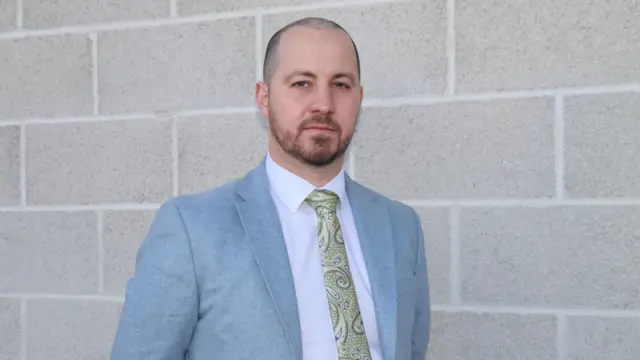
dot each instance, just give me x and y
(262, 98)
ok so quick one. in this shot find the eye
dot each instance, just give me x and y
(342, 85)
(301, 83)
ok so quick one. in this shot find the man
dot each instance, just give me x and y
(295, 260)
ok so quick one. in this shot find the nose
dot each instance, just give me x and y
(323, 101)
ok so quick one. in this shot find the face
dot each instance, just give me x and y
(314, 97)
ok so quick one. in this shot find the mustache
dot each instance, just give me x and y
(320, 120)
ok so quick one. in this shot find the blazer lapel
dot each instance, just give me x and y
(260, 220)
(376, 239)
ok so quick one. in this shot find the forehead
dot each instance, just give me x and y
(317, 50)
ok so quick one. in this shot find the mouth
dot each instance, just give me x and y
(319, 127)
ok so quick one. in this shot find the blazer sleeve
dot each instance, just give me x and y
(422, 318)
(160, 310)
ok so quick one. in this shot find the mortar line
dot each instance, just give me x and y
(559, 146)
(523, 202)
(46, 296)
(100, 220)
(94, 73)
(451, 48)
(173, 8)
(131, 116)
(428, 99)
(561, 336)
(258, 47)
(455, 279)
(351, 163)
(175, 155)
(23, 165)
(23, 328)
(19, 14)
(197, 18)
(73, 208)
(480, 309)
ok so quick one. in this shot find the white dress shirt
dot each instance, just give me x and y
(299, 224)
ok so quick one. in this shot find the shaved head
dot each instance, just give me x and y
(271, 54)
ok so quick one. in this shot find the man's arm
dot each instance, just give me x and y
(422, 322)
(161, 305)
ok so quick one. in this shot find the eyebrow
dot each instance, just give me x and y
(312, 75)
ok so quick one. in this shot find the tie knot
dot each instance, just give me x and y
(322, 199)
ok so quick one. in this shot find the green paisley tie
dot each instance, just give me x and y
(347, 322)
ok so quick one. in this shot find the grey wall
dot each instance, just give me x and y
(512, 126)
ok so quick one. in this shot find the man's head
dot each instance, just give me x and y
(311, 92)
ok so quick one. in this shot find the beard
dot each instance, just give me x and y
(319, 150)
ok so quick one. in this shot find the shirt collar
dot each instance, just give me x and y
(292, 190)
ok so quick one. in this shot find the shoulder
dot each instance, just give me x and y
(397, 209)
(219, 199)
(404, 221)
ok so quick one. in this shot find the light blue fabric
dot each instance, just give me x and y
(213, 280)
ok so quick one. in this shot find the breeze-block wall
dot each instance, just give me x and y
(512, 126)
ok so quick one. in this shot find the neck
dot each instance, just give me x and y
(317, 176)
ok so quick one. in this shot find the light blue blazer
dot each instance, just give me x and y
(213, 281)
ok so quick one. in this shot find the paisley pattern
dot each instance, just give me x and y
(349, 330)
